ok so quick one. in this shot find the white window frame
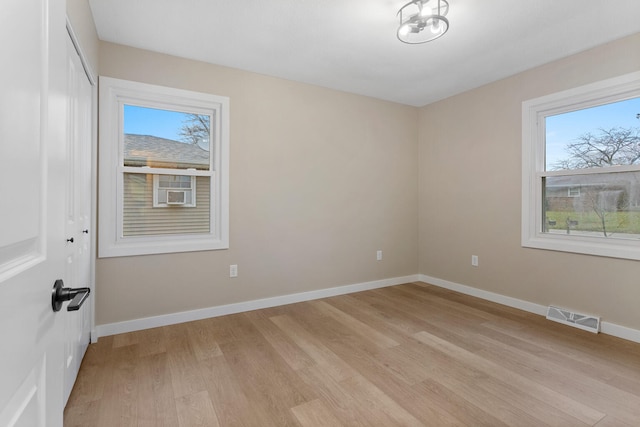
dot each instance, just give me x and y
(534, 112)
(157, 188)
(573, 192)
(114, 94)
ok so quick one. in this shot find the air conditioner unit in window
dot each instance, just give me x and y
(176, 197)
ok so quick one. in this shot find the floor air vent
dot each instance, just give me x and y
(581, 321)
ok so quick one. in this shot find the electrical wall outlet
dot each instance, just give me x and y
(379, 255)
(474, 260)
(233, 270)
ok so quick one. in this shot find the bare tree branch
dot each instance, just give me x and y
(615, 146)
(195, 129)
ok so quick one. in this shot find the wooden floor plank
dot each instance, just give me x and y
(203, 340)
(80, 414)
(118, 406)
(611, 366)
(295, 357)
(266, 379)
(452, 402)
(156, 404)
(376, 402)
(186, 378)
(541, 392)
(522, 405)
(596, 394)
(315, 414)
(355, 325)
(610, 421)
(338, 400)
(151, 341)
(232, 406)
(314, 348)
(499, 408)
(411, 354)
(376, 369)
(195, 410)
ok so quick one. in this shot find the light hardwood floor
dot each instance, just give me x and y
(411, 355)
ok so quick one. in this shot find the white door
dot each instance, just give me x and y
(32, 232)
(78, 212)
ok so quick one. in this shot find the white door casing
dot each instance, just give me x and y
(32, 232)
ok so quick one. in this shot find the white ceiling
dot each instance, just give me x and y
(351, 45)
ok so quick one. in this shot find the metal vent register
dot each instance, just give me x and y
(577, 320)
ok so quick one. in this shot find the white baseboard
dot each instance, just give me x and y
(221, 310)
(605, 327)
(486, 295)
(188, 316)
(620, 331)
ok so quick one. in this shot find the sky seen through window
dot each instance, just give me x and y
(565, 128)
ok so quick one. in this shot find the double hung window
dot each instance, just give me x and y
(164, 157)
(581, 169)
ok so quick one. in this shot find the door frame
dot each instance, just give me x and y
(93, 80)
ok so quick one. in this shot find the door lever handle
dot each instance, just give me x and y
(60, 294)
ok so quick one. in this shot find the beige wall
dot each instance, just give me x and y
(320, 180)
(79, 14)
(470, 194)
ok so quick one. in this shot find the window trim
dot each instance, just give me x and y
(533, 166)
(113, 94)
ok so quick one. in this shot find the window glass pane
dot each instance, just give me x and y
(600, 205)
(602, 136)
(166, 139)
(141, 218)
(174, 181)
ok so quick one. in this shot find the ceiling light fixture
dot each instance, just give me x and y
(422, 21)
